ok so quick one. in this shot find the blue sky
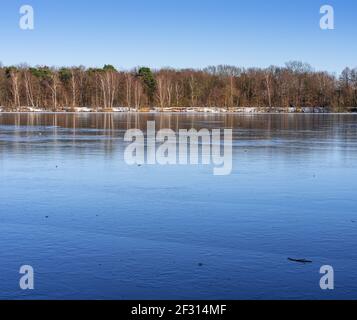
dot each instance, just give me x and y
(179, 33)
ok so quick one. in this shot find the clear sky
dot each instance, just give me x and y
(179, 33)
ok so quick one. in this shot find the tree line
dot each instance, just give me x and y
(295, 85)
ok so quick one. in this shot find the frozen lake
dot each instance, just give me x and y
(93, 227)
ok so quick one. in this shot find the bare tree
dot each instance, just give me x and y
(161, 91)
(295, 84)
(74, 88)
(128, 83)
(14, 75)
(138, 93)
(53, 85)
(268, 85)
(179, 94)
(28, 87)
(108, 81)
(193, 90)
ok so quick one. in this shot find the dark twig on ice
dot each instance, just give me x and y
(300, 260)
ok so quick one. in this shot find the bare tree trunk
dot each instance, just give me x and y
(169, 93)
(231, 92)
(137, 95)
(267, 81)
(161, 92)
(178, 93)
(113, 85)
(128, 80)
(192, 86)
(54, 87)
(108, 84)
(74, 88)
(29, 90)
(15, 88)
(104, 93)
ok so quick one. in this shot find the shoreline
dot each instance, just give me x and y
(178, 113)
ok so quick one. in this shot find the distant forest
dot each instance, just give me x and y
(294, 85)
